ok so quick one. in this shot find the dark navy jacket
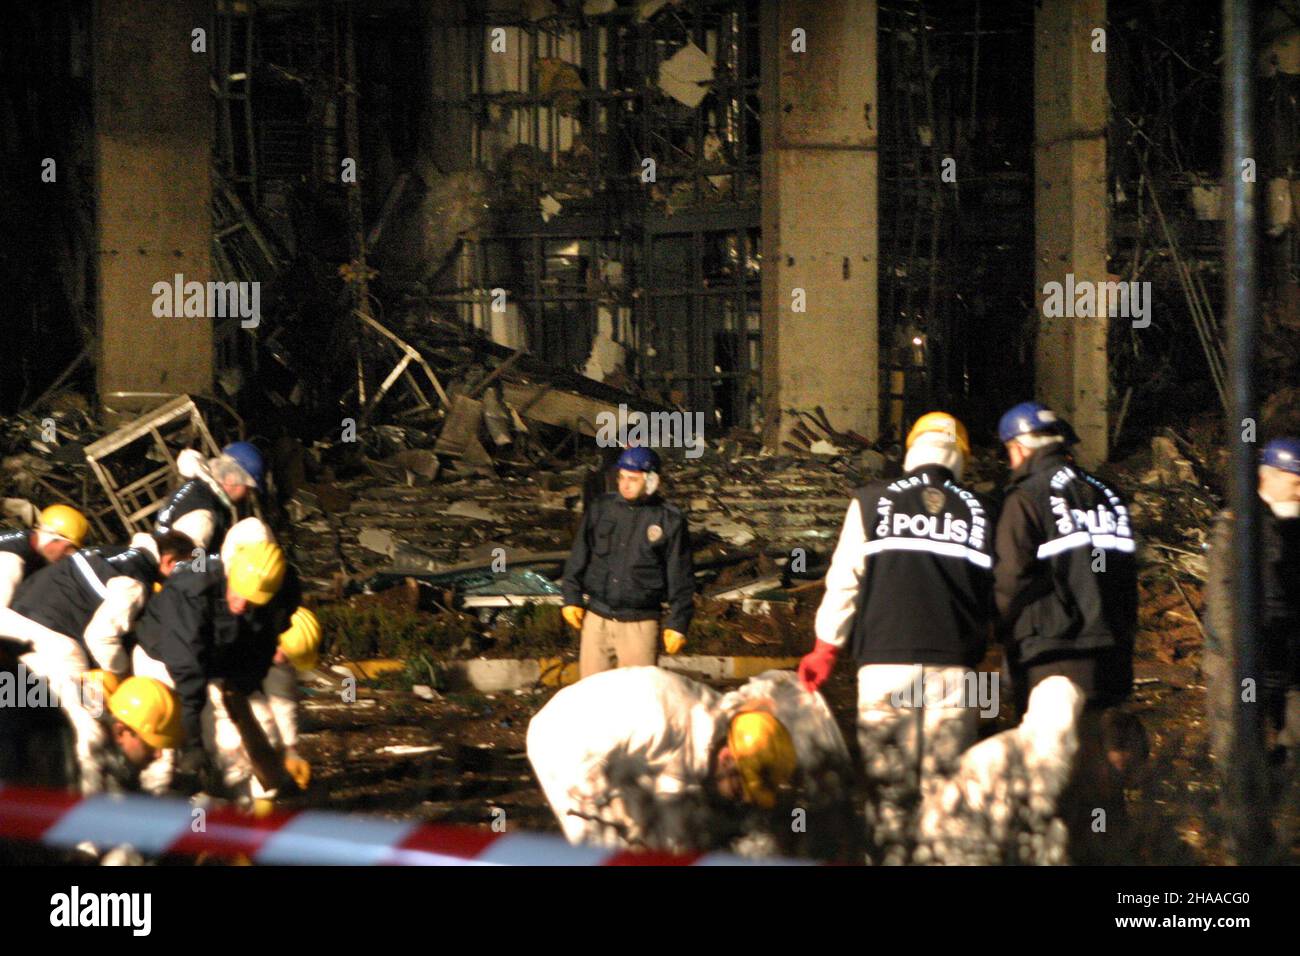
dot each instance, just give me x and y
(20, 543)
(1066, 574)
(65, 596)
(188, 627)
(630, 558)
(196, 495)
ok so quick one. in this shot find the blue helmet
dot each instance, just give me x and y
(1282, 453)
(1029, 418)
(249, 459)
(639, 459)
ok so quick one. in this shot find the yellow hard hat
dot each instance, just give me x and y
(150, 708)
(944, 424)
(256, 571)
(65, 522)
(764, 755)
(301, 642)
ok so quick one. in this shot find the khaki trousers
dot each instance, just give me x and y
(609, 644)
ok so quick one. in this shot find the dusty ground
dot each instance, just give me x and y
(466, 760)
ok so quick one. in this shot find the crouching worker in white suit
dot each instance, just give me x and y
(641, 757)
(75, 614)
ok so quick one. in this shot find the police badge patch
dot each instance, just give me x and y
(933, 499)
(654, 533)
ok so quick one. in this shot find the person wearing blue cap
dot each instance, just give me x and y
(1065, 581)
(206, 505)
(1065, 586)
(1278, 656)
(631, 555)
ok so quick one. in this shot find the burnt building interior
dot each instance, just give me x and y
(536, 176)
(476, 225)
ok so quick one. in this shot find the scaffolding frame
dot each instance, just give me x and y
(694, 333)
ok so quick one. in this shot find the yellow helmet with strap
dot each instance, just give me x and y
(301, 641)
(64, 521)
(151, 709)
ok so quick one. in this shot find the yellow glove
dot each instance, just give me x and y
(574, 615)
(299, 770)
(674, 641)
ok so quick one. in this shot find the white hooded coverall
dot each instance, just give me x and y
(614, 748)
(627, 746)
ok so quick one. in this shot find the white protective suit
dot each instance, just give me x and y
(1002, 804)
(624, 755)
(61, 660)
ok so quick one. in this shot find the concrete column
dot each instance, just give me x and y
(153, 146)
(819, 214)
(1070, 212)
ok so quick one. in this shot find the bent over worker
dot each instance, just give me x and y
(204, 507)
(640, 756)
(199, 629)
(909, 591)
(78, 612)
(60, 530)
(273, 704)
(141, 717)
(631, 555)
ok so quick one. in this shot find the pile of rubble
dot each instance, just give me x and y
(1174, 495)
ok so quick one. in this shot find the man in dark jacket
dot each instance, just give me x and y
(59, 532)
(1066, 574)
(909, 591)
(80, 610)
(1066, 589)
(1278, 656)
(211, 622)
(204, 508)
(631, 555)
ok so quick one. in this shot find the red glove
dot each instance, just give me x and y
(815, 667)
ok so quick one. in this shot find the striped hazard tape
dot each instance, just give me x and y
(157, 826)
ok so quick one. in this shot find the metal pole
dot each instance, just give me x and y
(1247, 785)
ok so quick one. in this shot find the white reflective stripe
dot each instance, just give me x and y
(1057, 545)
(1077, 539)
(1113, 541)
(91, 577)
(946, 548)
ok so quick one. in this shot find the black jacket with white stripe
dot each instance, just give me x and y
(189, 628)
(65, 596)
(196, 495)
(20, 543)
(918, 572)
(1066, 576)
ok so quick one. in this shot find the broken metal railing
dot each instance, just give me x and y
(172, 426)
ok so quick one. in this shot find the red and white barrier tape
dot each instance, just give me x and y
(157, 826)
